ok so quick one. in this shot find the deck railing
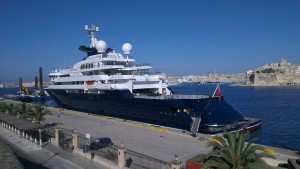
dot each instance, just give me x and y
(174, 96)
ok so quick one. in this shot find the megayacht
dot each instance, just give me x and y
(110, 83)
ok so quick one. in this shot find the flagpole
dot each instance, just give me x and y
(215, 90)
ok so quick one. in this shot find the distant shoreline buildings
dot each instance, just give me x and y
(208, 78)
(273, 74)
(29, 84)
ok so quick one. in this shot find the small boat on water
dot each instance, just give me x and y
(29, 96)
(110, 83)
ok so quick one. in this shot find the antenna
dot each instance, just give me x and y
(91, 31)
(214, 70)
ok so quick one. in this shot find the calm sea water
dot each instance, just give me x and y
(278, 107)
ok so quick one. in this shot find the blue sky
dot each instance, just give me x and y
(179, 37)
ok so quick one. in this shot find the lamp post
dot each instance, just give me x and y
(40, 136)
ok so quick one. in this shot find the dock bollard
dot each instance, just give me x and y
(75, 139)
(176, 164)
(121, 156)
(57, 137)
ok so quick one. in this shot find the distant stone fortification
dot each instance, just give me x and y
(274, 74)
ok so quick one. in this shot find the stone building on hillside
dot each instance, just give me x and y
(274, 74)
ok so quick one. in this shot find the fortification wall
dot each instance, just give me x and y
(279, 74)
(265, 80)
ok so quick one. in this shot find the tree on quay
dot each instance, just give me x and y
(23, 110)
(37, 112)
(235, 153)
(3, 107)
(11, 109)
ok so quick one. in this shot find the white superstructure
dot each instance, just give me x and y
(105, 69)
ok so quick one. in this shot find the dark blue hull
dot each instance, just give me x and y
(165, 112)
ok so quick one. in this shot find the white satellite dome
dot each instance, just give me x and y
(127, 48)
(101, 46)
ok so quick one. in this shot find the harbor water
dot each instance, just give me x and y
(277, 107)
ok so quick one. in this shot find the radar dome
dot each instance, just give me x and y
(101, 46)
(127, 48)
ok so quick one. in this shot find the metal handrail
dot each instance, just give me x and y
(174, 96)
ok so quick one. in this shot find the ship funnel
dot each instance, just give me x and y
(127, 48)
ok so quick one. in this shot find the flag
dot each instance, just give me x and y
(218, 91)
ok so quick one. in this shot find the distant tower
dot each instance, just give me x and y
(282, 62)
(91, 31)
(20, 84)
(41, 82)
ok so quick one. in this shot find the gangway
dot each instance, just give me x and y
(195, 126)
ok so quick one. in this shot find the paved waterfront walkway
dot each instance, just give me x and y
(49, 156)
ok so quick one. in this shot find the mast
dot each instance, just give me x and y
(214, 72)
(91, 31)
(41, 82)
(36, 83)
